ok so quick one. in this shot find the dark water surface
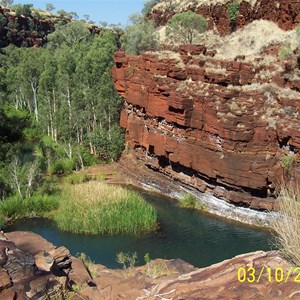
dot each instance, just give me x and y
(198, 239)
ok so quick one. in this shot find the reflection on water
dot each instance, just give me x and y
(198, 239)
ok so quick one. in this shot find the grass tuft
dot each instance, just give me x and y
(89, 265)
(287, 162)
(287, 225)
(189, 201)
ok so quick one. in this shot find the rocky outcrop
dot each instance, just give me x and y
(230, 127)
(23, 31)
(284, 13)
(33, 268)
(32, 30)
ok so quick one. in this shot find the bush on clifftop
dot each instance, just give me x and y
(185, 27)
(139, 36)
(148, 5)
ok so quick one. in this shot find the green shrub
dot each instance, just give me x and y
(98, 208)
(62, 166)
(36, 206)
(189, 201)
(12, 26)
(32, 133)
(49, 186)
(285, 51)
(11, 208)
(184, 27)
(140, 36)
(76, 178)
(39, 205)
(287, 162)
(87, 158)
(127, 259)
(233, 10)
(101, 177)
(148, 5)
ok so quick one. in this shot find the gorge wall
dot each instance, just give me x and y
(227, 126)
(212, 130)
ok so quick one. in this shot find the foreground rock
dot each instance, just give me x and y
(220, 281)
(32, 268)
(178, 280)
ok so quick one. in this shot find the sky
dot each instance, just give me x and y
(113, 11)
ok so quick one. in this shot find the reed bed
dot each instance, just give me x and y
(99, 208)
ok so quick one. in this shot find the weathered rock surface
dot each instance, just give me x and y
(285, 13)
(220, 281)
(26, 32)
(30, 31)
(32, 268)
(219, 125)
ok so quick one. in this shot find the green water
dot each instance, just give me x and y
(198, 239)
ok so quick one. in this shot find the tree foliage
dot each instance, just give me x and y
(24, 10)
(148, 5)
(49, 7)
(59, 111)
(139, 36)
(67, 92)
(6, 3)
(233, 10)
(185, 27)
(70, 34)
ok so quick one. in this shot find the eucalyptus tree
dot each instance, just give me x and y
(49, 7)
(70, 34)
(6, 3)
(31, 67)
(102, 101)
(67, 89)
(48, 95)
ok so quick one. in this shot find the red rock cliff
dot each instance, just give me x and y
(224, 126)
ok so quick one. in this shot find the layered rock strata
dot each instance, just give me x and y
(285, 13)
(228, 127)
